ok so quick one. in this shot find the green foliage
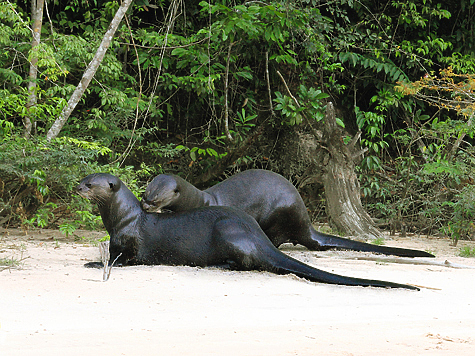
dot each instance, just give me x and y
(92, 240)
(5, 128)
(376, 64)
(243, 123)
(379, 241)
(432, 195)
(47, 64)
(60, 56)
(33, 171)
(309, 105)
(39, 179)
(197, 153)
(13, 107)
(60, 158)
(289, 108)
(467, 252)
(462, 225)
(86, 220)
(67, 229)
(372, 123)
(43, 216)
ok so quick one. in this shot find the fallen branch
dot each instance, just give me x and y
(409, 261)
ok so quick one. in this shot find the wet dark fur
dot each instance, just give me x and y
(266, 196)
(207, 236)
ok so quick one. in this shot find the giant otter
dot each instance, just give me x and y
(269, 198)
(209, 236)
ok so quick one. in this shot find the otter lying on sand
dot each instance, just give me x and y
(266, 196)
(210, 236)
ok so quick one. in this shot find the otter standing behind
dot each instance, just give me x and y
(266, 196)
(202, 237)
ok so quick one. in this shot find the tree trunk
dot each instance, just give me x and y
(37, 17)
(90, 71)
(342, 189)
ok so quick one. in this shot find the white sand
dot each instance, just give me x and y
(55, 306)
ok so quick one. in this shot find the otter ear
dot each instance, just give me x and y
(114, 186)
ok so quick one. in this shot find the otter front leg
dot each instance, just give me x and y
(104, 248)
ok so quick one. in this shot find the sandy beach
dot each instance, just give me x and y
(52, 305)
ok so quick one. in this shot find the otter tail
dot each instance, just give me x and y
(327, 242)
(283, 264)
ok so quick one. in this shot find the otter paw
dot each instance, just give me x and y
(94, 265)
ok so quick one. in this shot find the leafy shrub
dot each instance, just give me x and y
(467, 252)
(37, 177)
(462, 224)
(430, 197)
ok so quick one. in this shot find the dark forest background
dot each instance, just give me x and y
(208, 89)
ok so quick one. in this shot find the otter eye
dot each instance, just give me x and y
(176, 190)
(88, 185)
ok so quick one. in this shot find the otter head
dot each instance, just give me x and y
(161, 193)
(98, 187)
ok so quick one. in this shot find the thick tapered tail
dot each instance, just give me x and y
(284, 264)
(327, 242)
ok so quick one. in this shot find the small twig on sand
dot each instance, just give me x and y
(105, 257)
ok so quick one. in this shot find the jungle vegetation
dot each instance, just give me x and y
(195, 87)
